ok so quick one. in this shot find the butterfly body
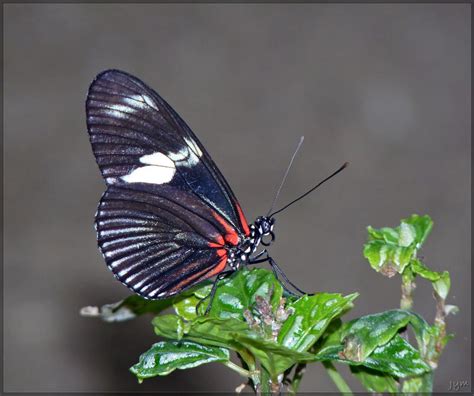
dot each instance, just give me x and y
(241, 254)
(168, 219)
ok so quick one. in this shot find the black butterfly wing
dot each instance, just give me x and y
(168, 214)
(131, 125)
(158, 246)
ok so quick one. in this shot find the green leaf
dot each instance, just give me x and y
(166, 356)
(442, 285)
(420, 269)
(361, 336)
(203, 290)
(424, 334)
(170, 326)
(375, 381)
(203, 329)
(430, 339)
(216, 331)
(311, 316)
(232, 334)
(140, 305)
(397, 358)
(420, 384)
(406, 235)
(422, 226)
(127, 309)
(330, 341)
(386, 234)
(135, 305)
(372, 341)
(186, 308)
(238, 292)
(387, 258)
(233, 296)
(236, 335)
(274, 357)
(389, 250)
(451, 309)
(441, 280)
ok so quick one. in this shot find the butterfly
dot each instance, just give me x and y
(168, 219)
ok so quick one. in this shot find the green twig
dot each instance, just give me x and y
(408, 286)
(440, 324)
(340, 383)
(265, 381)
(238, 369)
(248, 361)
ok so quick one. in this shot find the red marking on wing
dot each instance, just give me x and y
(216, 270)
(231, 235)
(243, 221)
(219, 242)
(220, 266)
(181, 285)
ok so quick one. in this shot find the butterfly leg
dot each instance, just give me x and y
(256, 259)
(219, 277)
(278, 271)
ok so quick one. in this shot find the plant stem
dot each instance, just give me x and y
(249, 361)
(408, 286)
(265, 382)
(238, 369)
(340, 383)
(440, 323)
(275, 387)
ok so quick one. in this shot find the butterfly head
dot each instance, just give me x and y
(264, 229)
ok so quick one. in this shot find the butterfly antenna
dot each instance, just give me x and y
(285, 175)
(310, 191)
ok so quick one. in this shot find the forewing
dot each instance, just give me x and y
(139, 141)
(156, 246)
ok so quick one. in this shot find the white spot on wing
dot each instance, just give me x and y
(191, 143)
(185, 156)
(158, 159)
(160, 170)
(180, 155)
(150, 174)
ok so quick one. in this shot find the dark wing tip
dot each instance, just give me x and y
(110, 73)
(99, 77)
(111, 76)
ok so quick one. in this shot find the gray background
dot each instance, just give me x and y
(386, 87)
